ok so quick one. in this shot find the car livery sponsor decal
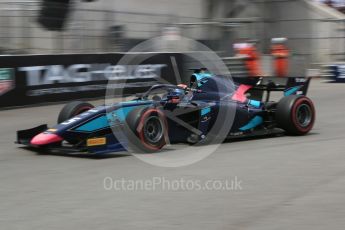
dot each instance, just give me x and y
(51, 130)
(79, 117)
(96, 141)
(70, 121)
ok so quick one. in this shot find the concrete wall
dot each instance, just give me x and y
(146, 14)
(87, 30)
(88, 23)
(180, 8)
(303, 22)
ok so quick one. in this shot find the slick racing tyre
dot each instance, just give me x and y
(149, 127)
(295, 114)
(73, 109)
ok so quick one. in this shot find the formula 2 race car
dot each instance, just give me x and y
(211, 108)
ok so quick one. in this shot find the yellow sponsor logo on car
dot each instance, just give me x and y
(96, 141)
(51, 130)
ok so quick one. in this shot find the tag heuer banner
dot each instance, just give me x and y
(32, 79)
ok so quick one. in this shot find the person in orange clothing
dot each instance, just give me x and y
(252, 58)
(280, 53)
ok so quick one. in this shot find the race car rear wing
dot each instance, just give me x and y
(289, 86)
(259, 85)
(297, 82)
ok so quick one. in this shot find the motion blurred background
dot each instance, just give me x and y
(58, 50)
(54, 51)
(315, 28)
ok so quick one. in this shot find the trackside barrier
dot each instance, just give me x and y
(334, 72)
(33, 79)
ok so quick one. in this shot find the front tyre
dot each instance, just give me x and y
(149, 127)
(73, 109)
(295, 114)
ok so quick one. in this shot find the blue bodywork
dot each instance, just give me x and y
(203, 104)
(292, 90)
(256, 121)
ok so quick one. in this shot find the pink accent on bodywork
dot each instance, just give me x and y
(45, 138)
(239, 94)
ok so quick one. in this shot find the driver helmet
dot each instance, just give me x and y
(176, 95)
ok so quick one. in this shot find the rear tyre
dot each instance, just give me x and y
(73, 109)
(147, 129)
(295, 114)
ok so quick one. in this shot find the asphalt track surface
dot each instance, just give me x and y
(286, 182)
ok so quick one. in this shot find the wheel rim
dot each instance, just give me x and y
(153, 129)
(304, 115)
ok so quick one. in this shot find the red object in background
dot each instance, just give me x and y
(252, 61)
(280, 53)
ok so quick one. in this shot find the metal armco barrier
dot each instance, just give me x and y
(32, 79)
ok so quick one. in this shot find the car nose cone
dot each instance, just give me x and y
(45, 138)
